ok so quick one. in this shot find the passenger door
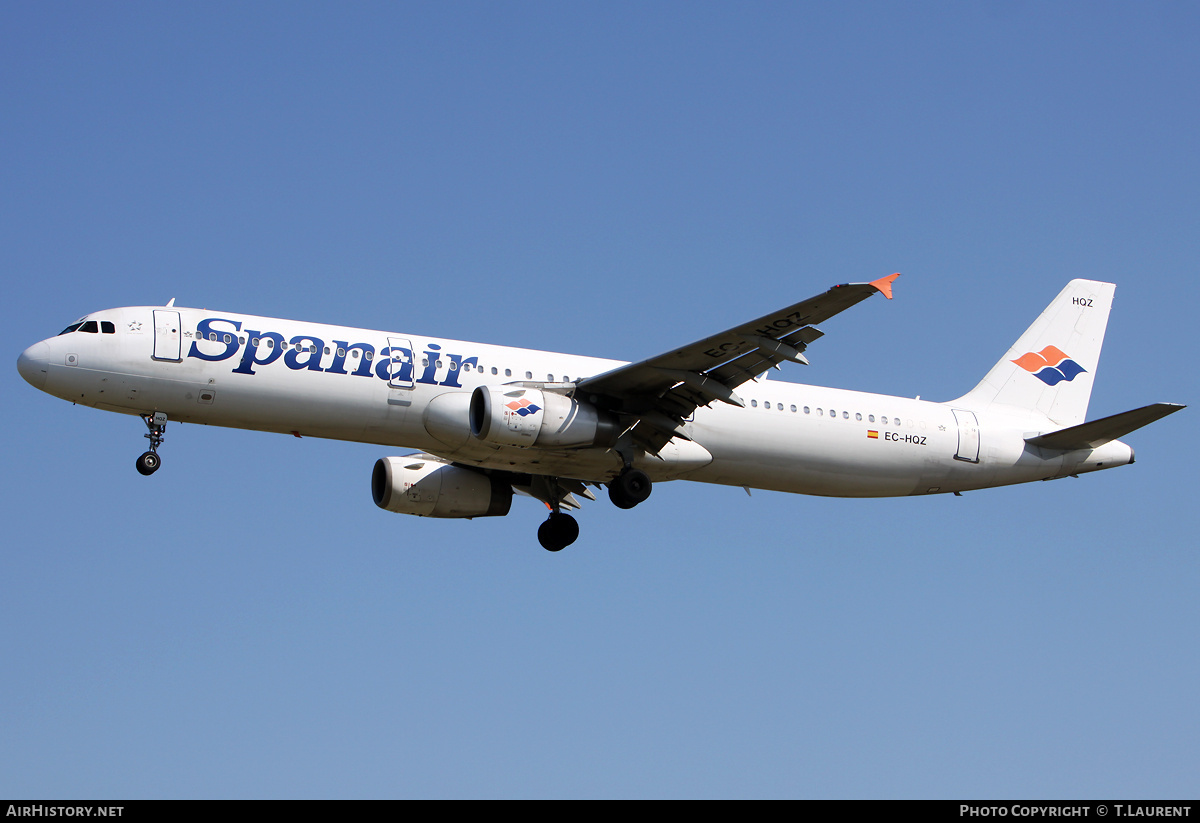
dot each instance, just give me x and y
(167, 337)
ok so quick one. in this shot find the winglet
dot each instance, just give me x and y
(884, 285)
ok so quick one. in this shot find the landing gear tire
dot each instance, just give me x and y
(559, 531)
(629, 488)
(148, 463)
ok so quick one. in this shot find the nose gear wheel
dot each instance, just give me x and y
(148, 463)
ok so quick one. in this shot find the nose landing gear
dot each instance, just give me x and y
(149, 461)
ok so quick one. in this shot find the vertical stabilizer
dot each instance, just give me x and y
(1050, 369)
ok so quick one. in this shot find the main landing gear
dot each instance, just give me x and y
(630, 487)
(149, 462)
(559, 531)
(626, 490)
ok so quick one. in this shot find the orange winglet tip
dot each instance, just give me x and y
(884, 284)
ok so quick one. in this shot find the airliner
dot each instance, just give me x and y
(487, 422)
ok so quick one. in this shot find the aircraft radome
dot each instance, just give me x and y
(488, 421)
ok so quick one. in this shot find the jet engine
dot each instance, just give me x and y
(416, 485)
(509, 416)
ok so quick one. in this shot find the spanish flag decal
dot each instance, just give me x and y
(872, 434)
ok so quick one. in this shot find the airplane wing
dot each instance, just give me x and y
(660, 393)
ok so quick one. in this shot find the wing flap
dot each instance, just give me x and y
(767, 354)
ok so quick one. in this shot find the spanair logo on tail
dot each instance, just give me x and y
(1051, 365)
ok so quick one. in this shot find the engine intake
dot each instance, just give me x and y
(510, 416)
(414, 485)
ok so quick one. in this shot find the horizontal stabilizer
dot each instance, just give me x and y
(1098, 432)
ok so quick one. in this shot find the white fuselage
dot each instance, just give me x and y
(405, 391)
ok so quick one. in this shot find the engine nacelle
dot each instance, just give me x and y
(415, 485)
(511, 416)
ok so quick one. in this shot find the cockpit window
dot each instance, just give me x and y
(90, 327)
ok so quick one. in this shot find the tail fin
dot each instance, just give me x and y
(1051, 367)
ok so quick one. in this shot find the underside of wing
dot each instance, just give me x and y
(658, 395)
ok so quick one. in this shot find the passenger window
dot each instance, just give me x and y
(845, 415)
(229, 338)
(495, 370)
(871, 418)
(212, 335)
(528, 375)
(806, 409)
(780, 407)
(508, 372)
(857, 416)
(793, 408)
(754, 403)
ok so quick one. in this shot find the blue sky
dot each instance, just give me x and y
(613, 180)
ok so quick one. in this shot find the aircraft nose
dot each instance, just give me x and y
(34, 363)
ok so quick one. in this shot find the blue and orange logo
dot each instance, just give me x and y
(523, 407)
(1051, 365)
